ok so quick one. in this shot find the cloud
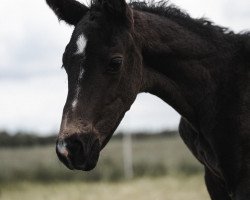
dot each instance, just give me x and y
(228, 13)
(32, 41)
(237, 14)
(32, 104)
(150, 113)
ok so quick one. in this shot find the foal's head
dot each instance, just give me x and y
(104, 69)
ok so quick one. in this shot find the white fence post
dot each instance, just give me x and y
(128, 156)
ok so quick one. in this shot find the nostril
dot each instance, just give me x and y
(75, 146)
(63, 153)
(62, 147)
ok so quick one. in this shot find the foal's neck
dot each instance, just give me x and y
(177, 64)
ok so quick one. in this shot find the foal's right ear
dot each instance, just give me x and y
(70, 11)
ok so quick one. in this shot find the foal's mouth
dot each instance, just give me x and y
(78, 155)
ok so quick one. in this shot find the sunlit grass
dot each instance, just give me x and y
(164, 188)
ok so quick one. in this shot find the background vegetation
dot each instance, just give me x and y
(27, 157)
(29, 169)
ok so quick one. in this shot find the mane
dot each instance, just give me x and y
(202, 26)
(165, 9)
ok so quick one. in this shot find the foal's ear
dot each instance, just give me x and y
(118, 10)
(70, 11)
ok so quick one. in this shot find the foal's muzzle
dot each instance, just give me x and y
(79, 151)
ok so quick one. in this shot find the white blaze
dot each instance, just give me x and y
(81, 44)
(78, 89)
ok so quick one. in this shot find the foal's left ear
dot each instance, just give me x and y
(70, 11)
(118, 10)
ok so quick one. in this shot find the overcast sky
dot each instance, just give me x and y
(33, 87)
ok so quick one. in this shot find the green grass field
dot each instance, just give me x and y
(163, 168)
(164, 188)
(151, 156)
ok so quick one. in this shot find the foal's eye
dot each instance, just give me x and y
(115, 65)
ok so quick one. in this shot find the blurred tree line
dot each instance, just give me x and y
(21, 139)
(24, 139)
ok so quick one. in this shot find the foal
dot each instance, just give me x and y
(118, 50)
